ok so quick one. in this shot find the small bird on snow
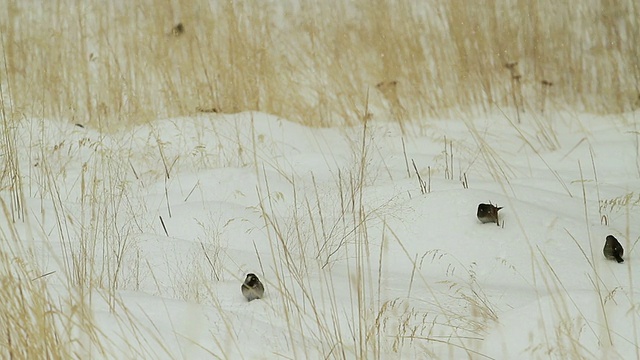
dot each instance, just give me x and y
(612, 249)
(487, 213)
(252, 288)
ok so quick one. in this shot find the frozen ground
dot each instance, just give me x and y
(164, 221)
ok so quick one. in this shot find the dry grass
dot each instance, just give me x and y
(325, 238)
(116, 64)
(29, 317)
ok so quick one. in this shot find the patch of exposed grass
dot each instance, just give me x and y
(115, 64)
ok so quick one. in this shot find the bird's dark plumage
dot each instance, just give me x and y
(177, 30)
(612, 249)
(252, 288)
(488, 213)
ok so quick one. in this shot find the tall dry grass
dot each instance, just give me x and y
(110, 64)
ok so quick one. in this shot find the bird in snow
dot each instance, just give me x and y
(252, 288)
(487, 213)
(612, 249)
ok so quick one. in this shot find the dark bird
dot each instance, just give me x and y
(177, 30)
(487, 213)
(252, 288)
(613, 250)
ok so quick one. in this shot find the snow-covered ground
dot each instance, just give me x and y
(163, 222)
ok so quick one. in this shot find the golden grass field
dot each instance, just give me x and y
(111, 64)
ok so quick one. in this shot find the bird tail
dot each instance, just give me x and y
(619, 258)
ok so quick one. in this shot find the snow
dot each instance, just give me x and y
(356, 261)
